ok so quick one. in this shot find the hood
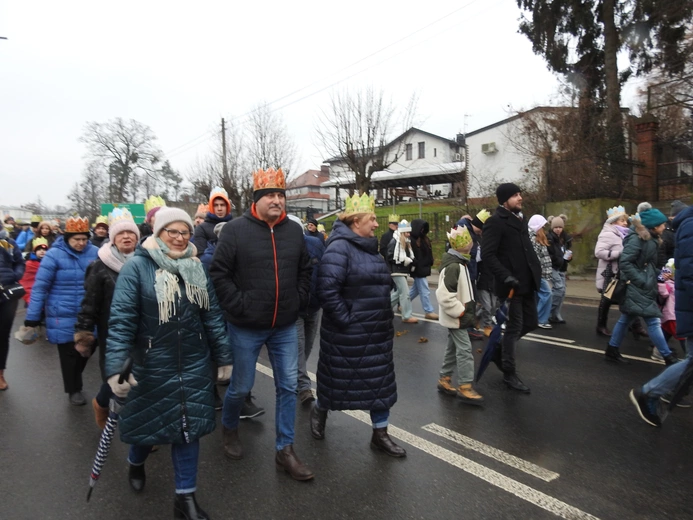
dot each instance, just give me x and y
(61, 244)
(340, 231)
(449, 259)
(683, 215)
(641, 230)
(419, 227)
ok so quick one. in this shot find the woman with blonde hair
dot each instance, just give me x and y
(43, 230)
(540, 243)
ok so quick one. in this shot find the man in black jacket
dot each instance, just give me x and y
(385, 240)
(508, 253)
(261, 272)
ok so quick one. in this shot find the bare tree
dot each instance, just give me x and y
(128, 151)
(356, 129)
(90, 192)
(269, 144)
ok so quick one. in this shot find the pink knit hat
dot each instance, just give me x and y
(120, 220)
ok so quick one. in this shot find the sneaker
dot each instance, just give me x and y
(410, 320)
(656, 356)
(431, 316)
(646, 410)
(684, 402)
(546, 326)
(467, 394)
(306, 396)
(503, 327)
(475, 335)
(445, 385)
(250, 410)
(671, 359)
(77, 399)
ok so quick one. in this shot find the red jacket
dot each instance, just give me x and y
(27, 281)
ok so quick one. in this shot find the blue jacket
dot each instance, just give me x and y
(11, 263)
(208, 253)
(316, 248)
(173, 402)
(356, 369)
(683, 260)
(473, 267)
(24, 237)
(59, 287)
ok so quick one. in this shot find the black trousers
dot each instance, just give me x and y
(7, 312)
(72, 365)
(522, 318)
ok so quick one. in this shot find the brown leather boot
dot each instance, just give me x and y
(287, 460)
(383, 442)
(233, 448)
(3, 383)
(318, 418)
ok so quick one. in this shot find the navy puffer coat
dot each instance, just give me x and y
(356, 370)
(11, 263)
(173, 402)
(683, 258)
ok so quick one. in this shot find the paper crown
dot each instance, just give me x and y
(321, 228)
(363, 204)
(393, 217)
(36, 218)
(483, 215)
(268, 179)
(119, 215)
(153, 202)
(459, 237)
(101, 219)
(39, 242)
(77, 225)
(202, 208)
(404, 226)
(616, 211)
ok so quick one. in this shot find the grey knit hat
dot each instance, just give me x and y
(167, 215)
(677, 207)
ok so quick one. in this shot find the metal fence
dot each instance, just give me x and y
(439, 222)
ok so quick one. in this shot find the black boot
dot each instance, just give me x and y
(602, 315)
(613, 354)
(185, 506)
(382, 441)
(137, 478)
(515, 383)
(671, 359)
(318, 418)
(233, 448)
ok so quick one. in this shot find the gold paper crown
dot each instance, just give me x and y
(394, 217)
(39, 242)
(119, 215)
(36, 218)
(483, 215)
(459, 237)
(101, 219)
(363, 204)
(268, 179)
(77, 225)
(153, 202)
(321, 228)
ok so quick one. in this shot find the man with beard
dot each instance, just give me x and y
(508, 253)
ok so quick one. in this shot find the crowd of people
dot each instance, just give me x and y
(192, 303)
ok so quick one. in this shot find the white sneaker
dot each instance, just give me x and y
(656, 355)
(546, 326)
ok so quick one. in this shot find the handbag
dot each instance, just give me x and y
(11, 292)
(615, 291)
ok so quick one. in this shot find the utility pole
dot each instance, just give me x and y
(223, 149)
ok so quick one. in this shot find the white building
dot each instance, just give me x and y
(305, 193)
(16, 212)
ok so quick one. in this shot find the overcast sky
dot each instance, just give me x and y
(179, 67)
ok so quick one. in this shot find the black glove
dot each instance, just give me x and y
(512, 282)
(31, 323)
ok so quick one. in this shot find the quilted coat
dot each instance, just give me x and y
(608, 250)
(683, 258)
(59, 288)
(356, 370)
(173, 401)
(261, 274)
(11, 263)
(638, 265)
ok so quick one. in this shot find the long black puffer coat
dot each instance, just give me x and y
(421, 245)
(261, 274)
(638, 265)
(173, 402)
(356, 370)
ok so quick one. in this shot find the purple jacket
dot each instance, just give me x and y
(608, 249)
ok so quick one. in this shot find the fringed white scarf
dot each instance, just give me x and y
(401, 251)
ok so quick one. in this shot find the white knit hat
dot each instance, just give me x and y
(404, 226)
(166, 215)
(536, 222)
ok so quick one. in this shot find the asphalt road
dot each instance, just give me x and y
(574, 448)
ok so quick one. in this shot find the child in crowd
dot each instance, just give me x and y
(457, 312)
(39, 247)
(667, 300)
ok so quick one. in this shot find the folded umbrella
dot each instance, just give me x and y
(495, 337)
(107, 435)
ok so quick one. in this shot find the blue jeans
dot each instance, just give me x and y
(282, 347)
(666, 382)
(401, 296)
(379, 418)
(544, 301)
(557, 293)
(420, 288)
(654, 329)
(184, 457)
(307, 328)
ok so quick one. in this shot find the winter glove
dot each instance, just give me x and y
(224, 374)
(31, 323)
(121, 389)
(407, 261)
(84, 342)
(512, 282)
(83, 349)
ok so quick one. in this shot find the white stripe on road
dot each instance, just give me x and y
(522, 491)
(494, 453)
(592, 350)
(541, 336)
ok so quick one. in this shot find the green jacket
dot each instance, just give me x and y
(453, 313)
(173, 401)
(638, 266)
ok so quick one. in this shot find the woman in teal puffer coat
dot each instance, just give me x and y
(638, 267)
(165, 315)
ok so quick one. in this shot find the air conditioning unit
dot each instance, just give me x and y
(458, 156)
(488, 148)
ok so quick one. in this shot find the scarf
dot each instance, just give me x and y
(401, 252)
(113, 258)
(171, 264)
(623, 231)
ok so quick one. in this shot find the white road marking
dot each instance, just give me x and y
(541, 336)
(494, 453)
(522, 491)
(592, 350)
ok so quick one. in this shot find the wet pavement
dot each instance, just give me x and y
(574, 448)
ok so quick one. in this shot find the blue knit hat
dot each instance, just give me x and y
(651, 218)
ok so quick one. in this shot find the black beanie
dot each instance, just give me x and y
(312, 221)
(258, 194)
(505, 191)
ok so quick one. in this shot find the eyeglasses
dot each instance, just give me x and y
(174, 233)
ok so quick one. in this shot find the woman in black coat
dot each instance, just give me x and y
(559, 251)
(356, 369)
(11, 271)
(423, 252)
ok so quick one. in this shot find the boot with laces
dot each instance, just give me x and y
(467, 394)
(445, 385)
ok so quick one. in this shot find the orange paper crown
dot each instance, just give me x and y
(77, 225)
(268, 179)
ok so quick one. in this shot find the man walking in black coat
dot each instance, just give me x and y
(508, 253)
(392, 221)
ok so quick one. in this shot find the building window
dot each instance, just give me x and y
(409, 152)
(435, 152)
(422, 150)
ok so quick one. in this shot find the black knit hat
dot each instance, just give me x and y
(312, 221)
(505, 191)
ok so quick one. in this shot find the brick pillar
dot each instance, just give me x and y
(646, 139)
